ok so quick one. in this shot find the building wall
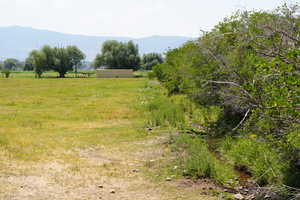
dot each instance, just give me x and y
(114, 73)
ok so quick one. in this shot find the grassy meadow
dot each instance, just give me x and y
(81, 138)
(41, 118)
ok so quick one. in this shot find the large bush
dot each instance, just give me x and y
(249, 67)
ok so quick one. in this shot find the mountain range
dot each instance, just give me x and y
(17, 42)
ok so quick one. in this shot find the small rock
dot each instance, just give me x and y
(112, 191)
(267, 196)
(229, 182)
(168, 179)
(100, 186)
(175, 167)
(238, 196)
(250, 197)
(135, 170)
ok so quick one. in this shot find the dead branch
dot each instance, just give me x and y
(241, 122)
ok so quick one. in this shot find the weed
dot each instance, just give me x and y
(264, 163)
(199, 162)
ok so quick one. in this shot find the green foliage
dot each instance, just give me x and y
(180, 113)
(58, 59)
(199, 162)
(39, 62)
(231, 67)
(248, 67)
(76, 57)
(264, 163)
(6, 73)
(163, 112)
(118, 55)
(150, 60)
(12, 64)
(28, 66)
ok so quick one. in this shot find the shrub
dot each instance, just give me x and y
(264, 163)
(199, 162)
(6, 73)
(164, 112)
(248, 64)
(248, 67)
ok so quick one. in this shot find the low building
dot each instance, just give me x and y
(114, 73)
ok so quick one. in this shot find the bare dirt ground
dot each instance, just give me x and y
(99, 172)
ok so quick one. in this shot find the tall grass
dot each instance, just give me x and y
(161, 110)
(165, 113)
(180, 113)
(199, 162)
(264, 163)
(176, 111)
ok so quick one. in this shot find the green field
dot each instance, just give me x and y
(62, 138)
(40, 118)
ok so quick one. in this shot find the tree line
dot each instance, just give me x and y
(114, 55)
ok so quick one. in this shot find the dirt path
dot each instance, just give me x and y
(96, 173)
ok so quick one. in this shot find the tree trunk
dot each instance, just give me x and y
(76, 72)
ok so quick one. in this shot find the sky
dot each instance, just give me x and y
(133, 18)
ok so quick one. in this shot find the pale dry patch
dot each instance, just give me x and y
(99, 172)
(90, 125)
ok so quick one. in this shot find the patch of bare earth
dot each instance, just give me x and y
(100, 172)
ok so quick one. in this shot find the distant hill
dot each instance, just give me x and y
(17, 42)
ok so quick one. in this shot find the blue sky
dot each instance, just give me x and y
(134, 18)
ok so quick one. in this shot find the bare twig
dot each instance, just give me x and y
(235, 84)
(241, 122)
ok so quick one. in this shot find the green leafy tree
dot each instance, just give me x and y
(58, 59)
(39, 62)
(150, 60)
(49, 53)
(118, 55)
(28, 66)
(11, 64)
(62, 61)
(77, 56)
